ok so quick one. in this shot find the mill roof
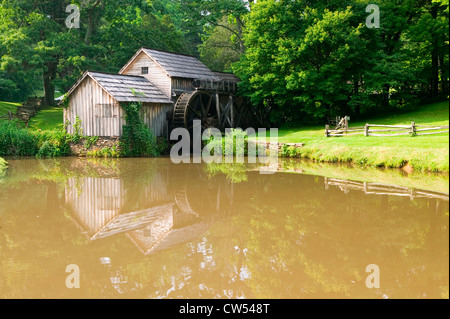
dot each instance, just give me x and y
(126, 88)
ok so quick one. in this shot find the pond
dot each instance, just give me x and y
(147, 228)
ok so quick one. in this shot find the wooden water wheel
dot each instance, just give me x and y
(196, 105)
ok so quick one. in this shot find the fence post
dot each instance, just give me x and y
(327, 127)
(366, 129)
(413, 129)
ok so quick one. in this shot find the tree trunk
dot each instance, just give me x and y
(49, 89)
(356, 92)
(434, 72)
(239, 26)
(434, 57)
(444, 82)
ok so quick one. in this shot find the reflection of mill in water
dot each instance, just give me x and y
(159, 217)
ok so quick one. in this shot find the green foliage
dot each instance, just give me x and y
(312, 60)
(77, 131)
(423, 153)
(18, 141)
(162, 145)
(137, 139)
(229, 143)
(15, 140)
(106, 152)
(65, 101)
(234, 172)
(219, 48)
(89, 141)
(3, 167)
(53, 143)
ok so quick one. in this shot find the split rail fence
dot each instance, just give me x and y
(385, 130)
(383, 189)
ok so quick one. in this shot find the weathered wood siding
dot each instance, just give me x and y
(100, 114)
(156, 74)
(154, 116)
(181, 84)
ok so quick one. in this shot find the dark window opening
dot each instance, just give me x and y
(144, 70)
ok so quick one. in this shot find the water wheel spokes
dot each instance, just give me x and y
(197, 105)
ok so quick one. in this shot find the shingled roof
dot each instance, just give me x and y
(226, 76)
(126, 88)
(177, 65)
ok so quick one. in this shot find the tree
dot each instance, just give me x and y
(307, 61)
(220, 48)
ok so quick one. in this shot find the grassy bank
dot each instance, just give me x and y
(48, 120)
(45, 137)
(422, 153)
(5, 107)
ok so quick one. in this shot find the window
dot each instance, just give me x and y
(106, 110)
(144, 70)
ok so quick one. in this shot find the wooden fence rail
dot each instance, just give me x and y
(383, 189)
(381, 130)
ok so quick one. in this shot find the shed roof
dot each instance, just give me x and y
(177, 65)
(126, 88)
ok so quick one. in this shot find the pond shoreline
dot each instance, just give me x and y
(433, 181)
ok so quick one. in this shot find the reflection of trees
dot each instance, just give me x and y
(235, 172)
(313, 245)
(275, 236)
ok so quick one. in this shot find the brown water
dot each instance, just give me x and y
(146, 228)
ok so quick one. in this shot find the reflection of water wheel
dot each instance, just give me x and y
(196, 105)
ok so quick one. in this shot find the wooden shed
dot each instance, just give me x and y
(96, 99)
(175, 89)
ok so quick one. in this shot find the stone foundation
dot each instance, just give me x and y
(79, 149)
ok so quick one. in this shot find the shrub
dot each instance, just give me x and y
(104, 152)
(231, 138)
(53, 144)
(137, 139)
(15, 140)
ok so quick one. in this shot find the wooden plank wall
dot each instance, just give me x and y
(155, 117)
(182, 84)
(87, 102)
(156, 74)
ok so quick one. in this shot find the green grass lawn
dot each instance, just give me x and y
(424, 153)
(8, 106)
(48, 120)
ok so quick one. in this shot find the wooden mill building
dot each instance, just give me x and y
(174, 90)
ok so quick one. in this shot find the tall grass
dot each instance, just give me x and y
(18, 141)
